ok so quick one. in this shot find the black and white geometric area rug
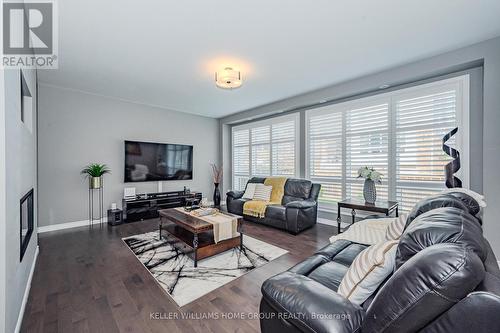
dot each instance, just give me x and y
(175, 271)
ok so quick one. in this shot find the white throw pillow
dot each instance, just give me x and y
(262, 192)
(368, 270)
(250, 191)
(396, 227)
(369, 231)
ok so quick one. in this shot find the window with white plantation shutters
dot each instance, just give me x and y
(398, 133)
(265, 148)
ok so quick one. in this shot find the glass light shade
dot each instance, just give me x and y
(228, 78)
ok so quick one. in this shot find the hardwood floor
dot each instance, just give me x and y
(89, 281)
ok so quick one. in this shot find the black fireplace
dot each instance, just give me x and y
(26, 221)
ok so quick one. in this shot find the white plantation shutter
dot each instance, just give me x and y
(265, 148)
(283, 148)
(367, 143)
(325, 154)
(421, 122)
(261, 150)
(241, 158)
(398, 133)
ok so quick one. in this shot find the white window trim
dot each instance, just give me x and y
(461, 83)
(275, 120)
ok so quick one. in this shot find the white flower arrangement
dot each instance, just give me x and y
(370, 173)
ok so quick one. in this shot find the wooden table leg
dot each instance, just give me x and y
(159, 230)
(339, 220)
(397, 211)
(195, 246)
(240, 230)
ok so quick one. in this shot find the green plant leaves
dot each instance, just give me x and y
(95, 170)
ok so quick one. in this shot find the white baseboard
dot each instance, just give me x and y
(26, 293)
(67, 225)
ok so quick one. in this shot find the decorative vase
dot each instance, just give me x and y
(216, 195)
(370, 191)
(95, 182)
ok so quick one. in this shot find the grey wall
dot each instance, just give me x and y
(2, 201)
(20, 177)
(485, 109)
(77, 128)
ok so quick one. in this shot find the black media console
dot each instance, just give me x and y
(146, 206)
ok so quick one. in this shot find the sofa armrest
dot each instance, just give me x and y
(309, 305)
(301, 204)
(235, 194)
(300, 215)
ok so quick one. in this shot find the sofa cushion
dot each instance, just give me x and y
(310, 306)
(296, 189)
(441, 225)
(328, 265)
(330, 274)
(432, 202)
(478, 198)
(321, 257)
(347, 255)
(428, 284)
(471, 203)
(256, 180)
(276, 212)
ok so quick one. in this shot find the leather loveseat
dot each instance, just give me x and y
(297, 212)
(446, 279)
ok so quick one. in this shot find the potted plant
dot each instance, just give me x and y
(371, 177)
(94, 172)
(217, 177)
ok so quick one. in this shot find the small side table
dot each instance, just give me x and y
(385, 207)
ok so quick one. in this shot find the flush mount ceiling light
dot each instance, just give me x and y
(228, 78)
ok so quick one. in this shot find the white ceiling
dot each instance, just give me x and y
(164, 53)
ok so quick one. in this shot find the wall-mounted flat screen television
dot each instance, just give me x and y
(147, 161)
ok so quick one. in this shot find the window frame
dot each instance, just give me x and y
(462, 86)
(295, 117)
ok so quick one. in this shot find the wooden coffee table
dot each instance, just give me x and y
(197, 234)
